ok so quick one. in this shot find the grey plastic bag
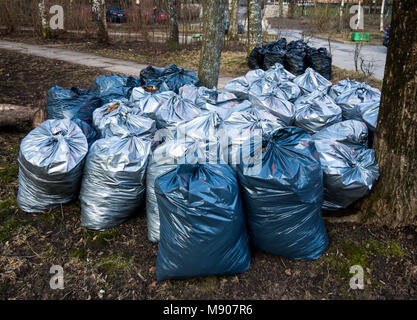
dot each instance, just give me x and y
(349, 169)
(311, 80)
(217, 101)
(279, 73)
(113, 186)
(341, 87)
(149, 102)
(360, 94)
(316, 111)
(239, 87)
(205, 126)
(51, 160)
(165, 158)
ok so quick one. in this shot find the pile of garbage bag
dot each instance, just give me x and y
(292, 144)
(296, 56)
(350, 169)
(51, 160)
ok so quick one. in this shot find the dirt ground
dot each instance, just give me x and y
(121, 261)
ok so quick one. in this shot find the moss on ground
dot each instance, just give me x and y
(116, 263)
(10, 227)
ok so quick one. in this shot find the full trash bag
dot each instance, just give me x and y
(282, 191)
(203, 230)
(149, 102)
(114, 87)
(368, 113)
(213, 100)
(295, 62)
(168, 156)
(341, 87)
(285, 89)
(189, 92)
(150, 73)
(356, 95)
(71, 103)
(113, 185)
(256, 58)
(321, 61)
(279, 74)
(176, 77)
(51, 160)
(239, 87)
(124, 122)
(174, 111)
(316, 111)
(350, 169)
(204, 126)
(273, 56)
(311, 81)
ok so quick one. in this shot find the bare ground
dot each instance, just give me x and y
(121, 261)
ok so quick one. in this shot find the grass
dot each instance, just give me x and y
(116, 263)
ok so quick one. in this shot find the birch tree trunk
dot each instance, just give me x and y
(45, 31)
(381, 21)
(254, 24)
(98, 10)
(342, 5)
(393, 202)
(211, 47)
(173, 26)
(234, 20)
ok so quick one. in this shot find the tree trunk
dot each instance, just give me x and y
(234, 19)
(254, 24)
(381, 21)
(342, 4)
(211, 47)
(98, 9)
(45, 31)
(393, 202)
(173, 26)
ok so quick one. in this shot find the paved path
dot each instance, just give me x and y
(86, 59)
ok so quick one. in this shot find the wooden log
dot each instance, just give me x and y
(12, 114)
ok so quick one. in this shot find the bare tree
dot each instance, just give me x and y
(393, 202)
(98, 10)
(254, 24)
(381, 21)
(233, 20)
(211, 47)
(45, 30)
(173, 26)
(342, 5)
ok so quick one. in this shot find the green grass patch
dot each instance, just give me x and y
(9, 227)
(114, 264)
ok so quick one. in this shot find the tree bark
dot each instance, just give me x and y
(381, 20)
(342, 5)
(173, 26)
(254, 24)
(98, 9)
(11, 114)
(211, 47)
(393, 202)
(45, 31)
(233, 21)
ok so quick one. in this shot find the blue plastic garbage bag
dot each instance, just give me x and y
(149, 102)
(283, 194)
(203, 229)
(150, 73)
(176, 77)
(51, 161)
(113, 185)
(71, 103)
(341, 87)
(350, 169)
(114, 86)
(311, 80)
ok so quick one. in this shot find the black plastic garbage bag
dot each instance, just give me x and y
(273, 56)
(149, 102)
(114, 87)
(321, 61)
(71, 103)
(357, 95)
(203, 229)
(176, 77)
(51, 160)
(295, 62)
(283, 194)
(256, 58)
(276, 45)
(341, 87)
(150, 73)
(310, 81)
(113, 185)
(349, 169)
(90, 133)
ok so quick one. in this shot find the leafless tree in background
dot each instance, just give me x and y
(173, 25)
(381, 22)
(254, 24)
(233, 20)
(45, 31)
